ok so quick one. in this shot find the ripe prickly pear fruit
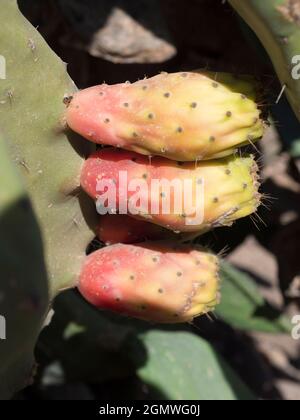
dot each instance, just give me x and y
(154, 281)
(120, 228)
(220, 191)
(182, 116)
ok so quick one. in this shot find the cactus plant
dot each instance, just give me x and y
(276, 23)
(52, 253)
(230, 188)
(182, 116)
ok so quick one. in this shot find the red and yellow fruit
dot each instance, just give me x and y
(154, 281)
(182, 116)
(222, 191)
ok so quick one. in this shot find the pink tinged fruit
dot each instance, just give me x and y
(230, 188)
(182, 116)
(153, 281)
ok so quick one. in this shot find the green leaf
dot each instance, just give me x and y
(178, 365)
(243, 307)
(96, 346)
(85, 341)
(295, 148)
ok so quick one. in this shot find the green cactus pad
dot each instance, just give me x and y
(276, 23)
(23, 279)
(31, 105)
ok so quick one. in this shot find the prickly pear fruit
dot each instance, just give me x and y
(154, 281)
(120, 228)
(222, 191)
(181, 116)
